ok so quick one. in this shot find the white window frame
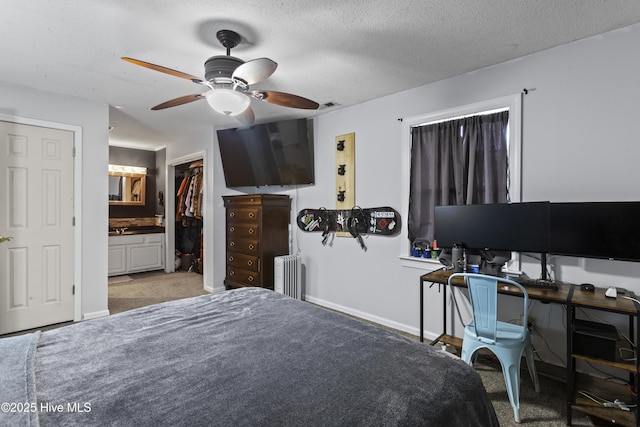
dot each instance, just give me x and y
(514, 104)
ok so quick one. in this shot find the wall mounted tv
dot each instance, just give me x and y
(277, 153)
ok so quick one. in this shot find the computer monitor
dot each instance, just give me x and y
(520, 227)
(607, 230)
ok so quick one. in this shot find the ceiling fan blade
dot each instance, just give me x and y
(178, 101)
(255, 71)
(285, 99)
(163, 69)
(247, 117)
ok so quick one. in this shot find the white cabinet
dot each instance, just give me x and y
(117, 258)
(135, 253)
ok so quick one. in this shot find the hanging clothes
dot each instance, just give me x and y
(190, 195)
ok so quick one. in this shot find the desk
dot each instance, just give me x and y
(572, 297)
(561, 296)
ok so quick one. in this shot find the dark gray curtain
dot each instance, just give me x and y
(456, 162)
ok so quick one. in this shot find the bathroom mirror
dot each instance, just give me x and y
(127, 185)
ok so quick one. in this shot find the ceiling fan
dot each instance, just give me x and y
(229, 79)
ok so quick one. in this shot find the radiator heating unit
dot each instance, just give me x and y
(287, 275)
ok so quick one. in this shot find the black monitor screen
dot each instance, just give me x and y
(609, 230)
(520, 227)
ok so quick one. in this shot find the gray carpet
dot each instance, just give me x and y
(142, 289)
(547, 408)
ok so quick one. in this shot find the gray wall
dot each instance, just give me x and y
(141, 158)
(579, 144)
(161, 178)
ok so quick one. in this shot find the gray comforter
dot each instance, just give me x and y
(243, 357)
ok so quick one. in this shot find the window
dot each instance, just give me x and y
(459, 161)
(510, 106)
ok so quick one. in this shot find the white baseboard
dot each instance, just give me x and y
(95, 315)
(413, 330)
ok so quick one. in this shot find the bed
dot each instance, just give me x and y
(241, 357)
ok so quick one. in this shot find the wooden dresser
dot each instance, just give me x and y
(257, 231)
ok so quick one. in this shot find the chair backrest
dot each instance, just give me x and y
(483, 293)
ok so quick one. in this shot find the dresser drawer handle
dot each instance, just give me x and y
(251, 246)
(232, 229)
(249, 262)
(232, 214)
(250, 278)
(251, 230)
(230, 259)
(251, 214)
(232, 273)
(232, 244)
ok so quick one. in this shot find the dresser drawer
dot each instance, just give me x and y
(241, 229)
(242, 214)
(248, 200)
(247, 262)
(243, 246)
(242, 277)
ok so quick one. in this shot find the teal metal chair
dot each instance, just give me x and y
(506, 340)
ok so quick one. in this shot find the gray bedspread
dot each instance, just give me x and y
(248, 357)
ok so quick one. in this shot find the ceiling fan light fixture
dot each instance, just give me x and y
(227, 101)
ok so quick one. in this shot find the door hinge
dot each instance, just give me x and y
(73, 290)
(73, 152)
(73, 221)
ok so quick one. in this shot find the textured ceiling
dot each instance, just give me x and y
(344, 52)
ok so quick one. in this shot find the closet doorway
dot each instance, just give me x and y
(197, 230)
(189, 242)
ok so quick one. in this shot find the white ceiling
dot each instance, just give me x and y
(342, 52)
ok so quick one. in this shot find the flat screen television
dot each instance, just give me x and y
(520, 227)
(277, 153)
(608, 230)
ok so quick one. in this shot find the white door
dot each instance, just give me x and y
(36, 210)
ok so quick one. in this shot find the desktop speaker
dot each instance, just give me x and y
(594, 339)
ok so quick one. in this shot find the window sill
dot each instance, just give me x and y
(426, 264)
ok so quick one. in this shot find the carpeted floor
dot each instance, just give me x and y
(547, 408)
(142, 289)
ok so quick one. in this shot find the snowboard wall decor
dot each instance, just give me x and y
(357, 221)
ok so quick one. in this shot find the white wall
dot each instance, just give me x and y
(197, 146)
(579, 144)
(92, 215)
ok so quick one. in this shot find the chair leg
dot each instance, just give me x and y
(512, 380)
(532, 368)
(463, 356)
(469, 354)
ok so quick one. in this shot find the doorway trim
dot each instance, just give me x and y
(77, 199)
(170, 212)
